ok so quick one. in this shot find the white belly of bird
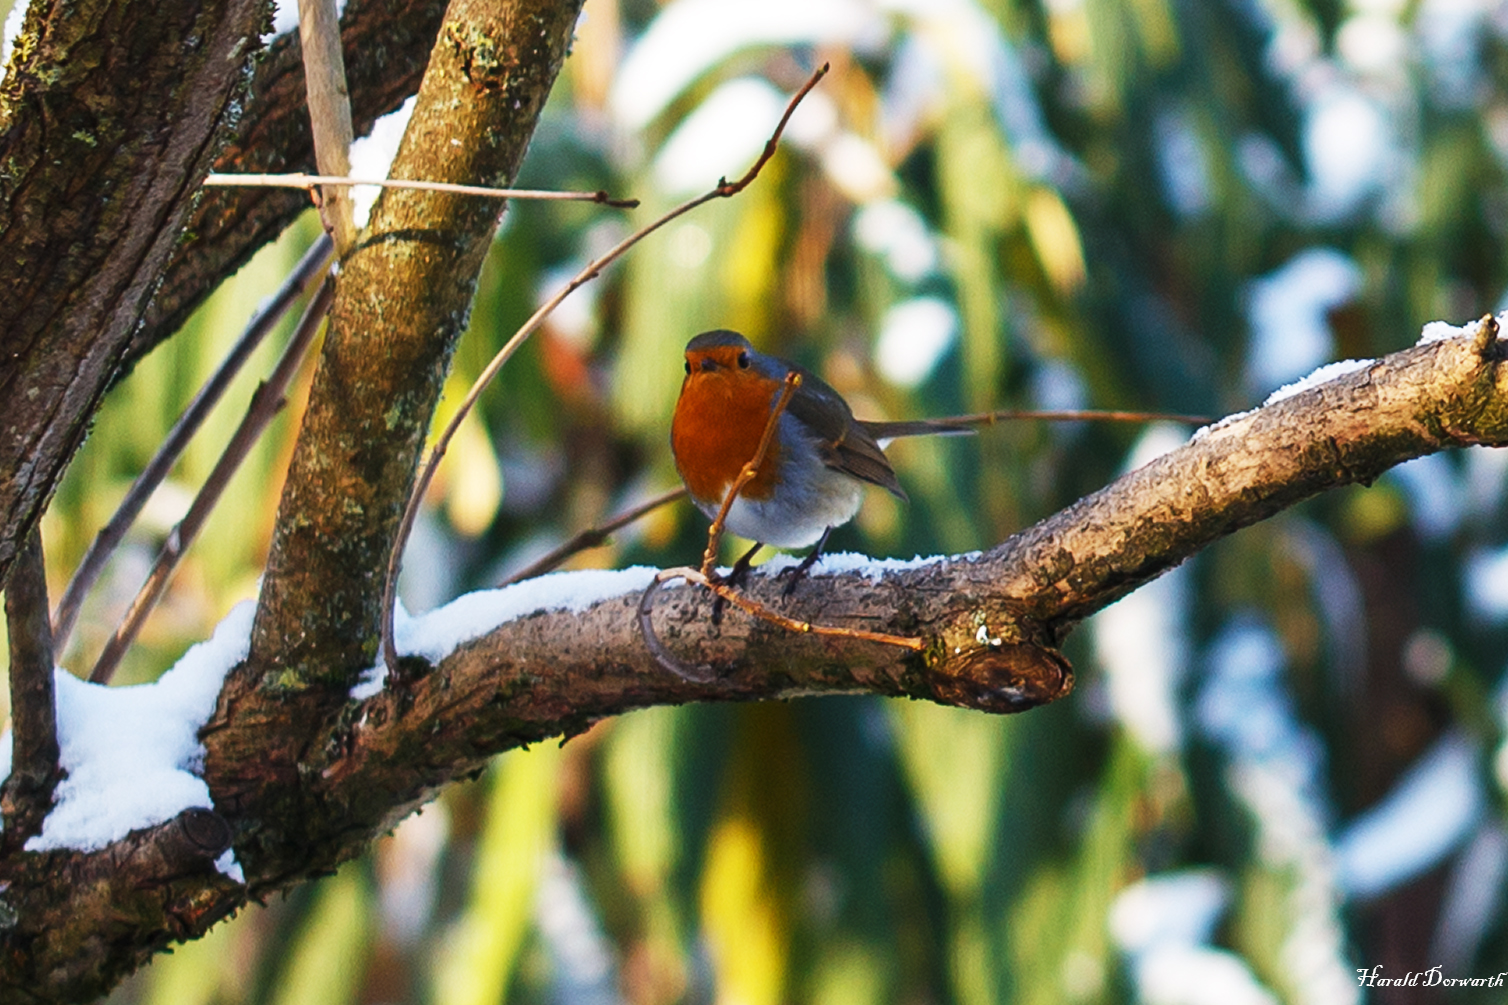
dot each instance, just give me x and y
(779, 523)
(812, 498)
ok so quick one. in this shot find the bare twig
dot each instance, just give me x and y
(306, 181)
(27, 793)
(1084, 415)
(329, 113)
(592, 537)
(265, 404)
(724, 189)
(703, 674)
(314, 263)
(748, 471)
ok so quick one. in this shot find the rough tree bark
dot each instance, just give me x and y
(303, 777)
(108, 119)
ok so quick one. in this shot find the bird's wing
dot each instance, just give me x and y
(846, 445)
(859, 455)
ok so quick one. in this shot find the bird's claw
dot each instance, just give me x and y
(796, 573)
(735, 580)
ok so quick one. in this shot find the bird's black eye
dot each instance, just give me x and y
(743, 360)
(688, 366)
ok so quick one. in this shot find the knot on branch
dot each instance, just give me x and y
(485, 62)
(1006, 668)
(199, 834)
(1475, 409)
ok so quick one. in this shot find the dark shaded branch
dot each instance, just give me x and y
(27, 793)
(107, 122)
(86, 919)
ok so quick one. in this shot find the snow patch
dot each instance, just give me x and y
(133, 753)
(440, 632)
(1323, 375)
(1439, 331)
(840, 563)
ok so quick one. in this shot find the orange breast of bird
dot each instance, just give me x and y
(719, 419)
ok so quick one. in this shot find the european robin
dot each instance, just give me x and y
(818, 461)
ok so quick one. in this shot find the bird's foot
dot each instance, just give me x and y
(798, 572)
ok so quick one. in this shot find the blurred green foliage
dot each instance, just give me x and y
(1099, 200)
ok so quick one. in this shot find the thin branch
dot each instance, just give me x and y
(592, 537)
(329, 113)
(314, 264)
(723, 190)
(307, 181)
(27, 794)
(1083, 415)
(265, 404)
(393, 40)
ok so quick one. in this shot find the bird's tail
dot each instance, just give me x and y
(919, 427)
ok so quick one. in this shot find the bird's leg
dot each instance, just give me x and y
(799, 572)
(737, 576)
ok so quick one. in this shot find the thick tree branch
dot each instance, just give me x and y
(107, 121)
(381, 370)
(991, 623)
(27, 793)
(77, 922)
(1351, 429)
